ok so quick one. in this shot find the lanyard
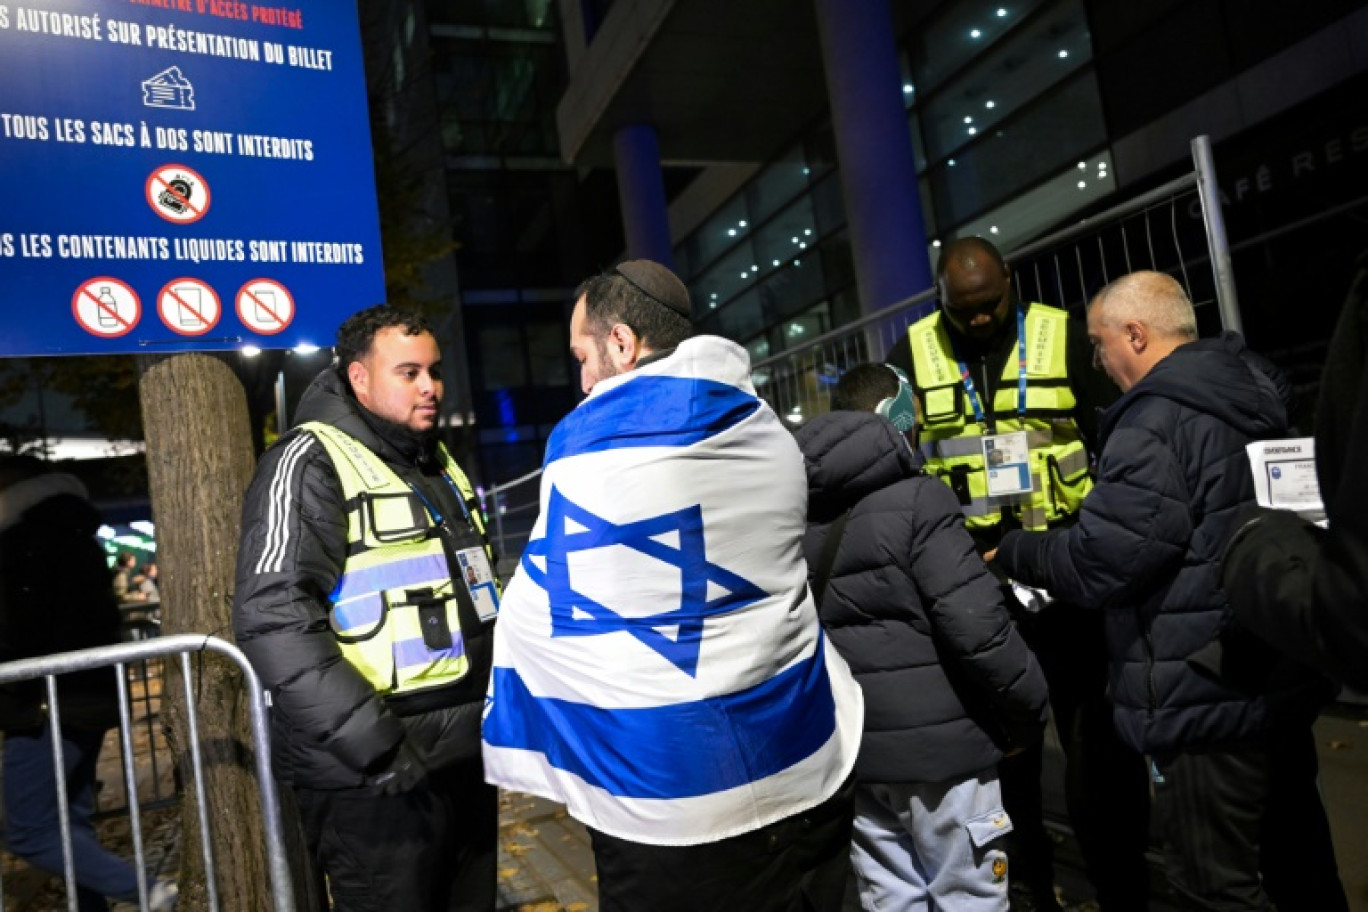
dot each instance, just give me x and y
(967, 379)
(432, 507)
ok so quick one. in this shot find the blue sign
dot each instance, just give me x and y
(182, 175)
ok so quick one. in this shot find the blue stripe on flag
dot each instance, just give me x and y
(396, 575)
(677, 751)
(410, 653)
(651, 411)
(363, 611)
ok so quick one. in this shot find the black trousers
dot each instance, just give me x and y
(1106, 785)
(799, 864)
(1244, 827)
(434, 849)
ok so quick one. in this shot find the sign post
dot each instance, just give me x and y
(191, 175)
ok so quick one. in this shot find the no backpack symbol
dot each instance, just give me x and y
(265, 306)
(189, 307)
(106, 307)
(178, 194)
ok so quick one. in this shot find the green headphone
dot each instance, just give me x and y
(901, 409)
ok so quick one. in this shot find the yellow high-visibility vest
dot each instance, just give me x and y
(395, 610)
(951, 434)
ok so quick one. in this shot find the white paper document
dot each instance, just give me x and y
(1285, 474)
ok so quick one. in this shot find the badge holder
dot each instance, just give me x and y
(478, 578)
(1007, 464)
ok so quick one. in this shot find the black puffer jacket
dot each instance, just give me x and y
(1147, 549)
(55, 596)
(329, 727)
(913, 610)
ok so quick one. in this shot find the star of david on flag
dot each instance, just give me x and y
(674, 540)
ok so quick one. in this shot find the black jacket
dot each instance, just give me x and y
(55, 595)
(1302, 589)
(913, 610)
(1147, 547)
(330, 729)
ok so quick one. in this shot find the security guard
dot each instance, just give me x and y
(1010, 399)
(365, 600)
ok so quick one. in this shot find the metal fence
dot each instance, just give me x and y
(1176, 228)
(140, 653)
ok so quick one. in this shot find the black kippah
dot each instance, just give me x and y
(657, 283)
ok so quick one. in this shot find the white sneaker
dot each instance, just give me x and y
(162, 896)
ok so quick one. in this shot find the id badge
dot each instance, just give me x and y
(479, 581)
(1008, 461)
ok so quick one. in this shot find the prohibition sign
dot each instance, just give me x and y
(265, 306)
(106, 307)
(178, 194)
(189, 307)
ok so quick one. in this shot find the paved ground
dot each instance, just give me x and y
(545, 863)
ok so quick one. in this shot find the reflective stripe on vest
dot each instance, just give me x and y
(397, 577)
(951, 438)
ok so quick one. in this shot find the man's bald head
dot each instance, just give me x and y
(975, 287)
(1153, 299)
(1136, 321)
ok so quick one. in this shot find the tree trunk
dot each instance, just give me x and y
(199, 463)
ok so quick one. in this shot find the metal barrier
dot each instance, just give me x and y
(512, 511)
(1064, 269)
(119, 656)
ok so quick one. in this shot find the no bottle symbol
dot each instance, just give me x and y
(178, 194)
(106, 307)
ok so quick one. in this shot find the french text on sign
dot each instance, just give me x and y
(178, 194)
(106, 307)
(189, 307)
(265, 306)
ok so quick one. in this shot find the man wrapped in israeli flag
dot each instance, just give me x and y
(659, 667)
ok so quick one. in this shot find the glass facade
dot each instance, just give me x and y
(1003, 105)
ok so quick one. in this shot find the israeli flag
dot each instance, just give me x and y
(658, 664)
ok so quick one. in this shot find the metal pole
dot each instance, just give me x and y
(282, 420)
(1210, 195)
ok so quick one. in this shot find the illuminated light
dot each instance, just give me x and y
(1082, 184)
(935, 243)
(802, 245)
(993, 229)
(250, 351)
(1082, 166)
(797, 262)
(714, 294)
(1101, 164)
(1001, 12)
(755, 269)
(745, 274)
(973, 131)
(776, 262)
(742, 223)
(1063, 54)
(975, 33)
(951, 163)
(795, 240)
(731, 232)
(807, 231)
(907, 88)
(712, 305)
(968, 119)
(305, 348)
(806, 171)
(794, 418)
(990, 104)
